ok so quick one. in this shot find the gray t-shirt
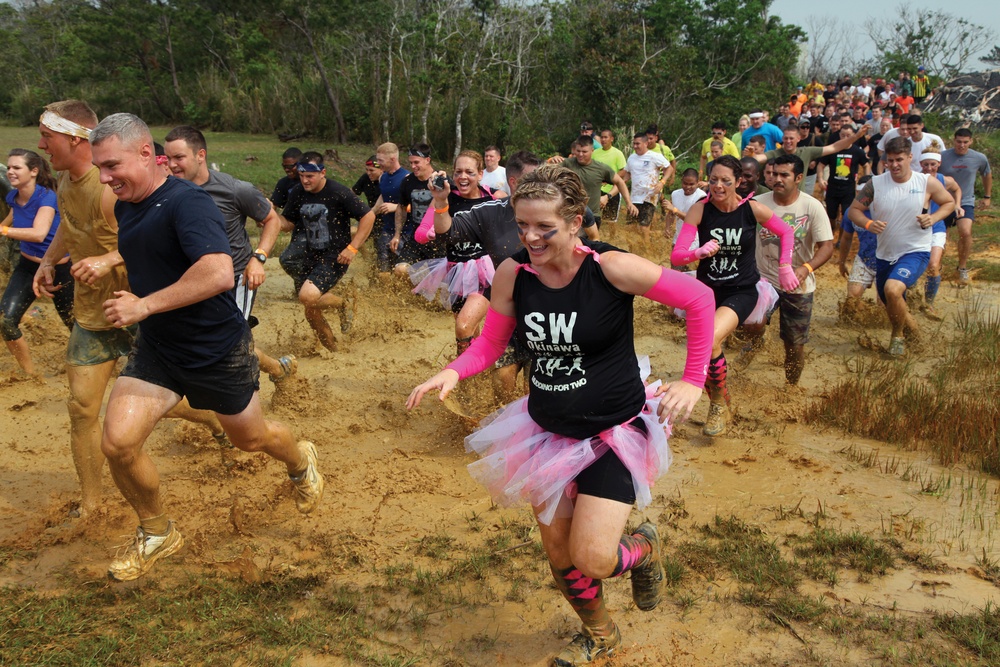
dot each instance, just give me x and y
(237, 200)
(805, 153)
(963, 168)
(594, 175)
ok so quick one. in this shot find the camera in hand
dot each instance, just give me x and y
(439, 181)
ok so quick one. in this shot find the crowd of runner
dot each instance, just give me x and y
(145, 253)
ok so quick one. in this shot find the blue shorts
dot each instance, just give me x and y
(970, 213)
(907, 269)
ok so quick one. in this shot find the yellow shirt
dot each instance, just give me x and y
(87, 233)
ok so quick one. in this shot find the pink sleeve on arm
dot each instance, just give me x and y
(785, 234)
(677, 290)
(680, 254)
(425, 232)
(487, 348)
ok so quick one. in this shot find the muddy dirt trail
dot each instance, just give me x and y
(396, 479)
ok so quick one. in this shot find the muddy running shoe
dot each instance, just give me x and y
(647, 580)
(309, 485)
(715, 423)
(145, 550)
(897, 347)
(963, 278)
(585, 648)
(289, 364)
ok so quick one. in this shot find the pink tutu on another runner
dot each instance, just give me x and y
(767, 297)
(451, 281)
(521, 461)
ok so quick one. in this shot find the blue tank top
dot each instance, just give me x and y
(939, 226)
(584, 374)
(24, 218)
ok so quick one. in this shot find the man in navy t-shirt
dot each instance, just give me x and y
(387, 203)
(192, 339)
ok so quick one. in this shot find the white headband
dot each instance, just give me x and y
(57, 123)
(931, 156)
(755, 115)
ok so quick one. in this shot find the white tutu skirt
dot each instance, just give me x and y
(451, 281)
(767, 298)
(521, 461)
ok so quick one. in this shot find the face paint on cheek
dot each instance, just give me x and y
(549, 235)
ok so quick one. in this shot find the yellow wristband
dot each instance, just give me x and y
(352, 248)
(4, 230)
(808, 266)
(442, 210)
(868, 224)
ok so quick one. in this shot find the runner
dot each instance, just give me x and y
(192, 338)
(728, 147)
(861, 275)
(813, 248)
(88, 232)
(930, 162)
(759, 128)
(962, 163)
(896, 199)
(414, 199)
(289, 162)
(681, 201)
(187, 157)
(385, 207)
(461, 277)
(726, 228)
(32, 221)
(367, 183)
(319, 214)
(594, 175)
(494, 176)
(614, 158)
(589, 440)
(646, 170)
(845, 165)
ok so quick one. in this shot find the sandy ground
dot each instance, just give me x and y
(394, 478)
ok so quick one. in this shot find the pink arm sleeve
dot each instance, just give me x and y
(677, 290)
(786, 234)
(425, 232)
(487, 348)
(681, 254)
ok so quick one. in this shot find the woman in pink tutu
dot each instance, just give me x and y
(458, 279)
(590, 439)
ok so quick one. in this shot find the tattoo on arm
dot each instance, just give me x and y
(867, 195)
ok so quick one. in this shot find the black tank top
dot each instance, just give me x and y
(463, 251)
(735, 265)
(584, 375)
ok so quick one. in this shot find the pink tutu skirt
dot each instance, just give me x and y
(450, 281)
(521, 461)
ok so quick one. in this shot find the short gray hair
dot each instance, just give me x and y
(129, 128)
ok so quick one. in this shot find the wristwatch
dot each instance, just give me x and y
(260, 257)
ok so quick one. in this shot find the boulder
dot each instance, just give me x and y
(972, 98)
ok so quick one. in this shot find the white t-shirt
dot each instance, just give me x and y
(808, 219)
(496, 180)
(683, 203)
(899, 204)
(917, 147)
(645, 172)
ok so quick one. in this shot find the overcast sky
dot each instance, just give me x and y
(983, 12)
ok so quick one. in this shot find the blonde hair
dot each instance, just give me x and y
(77, 111)
(474, 156)
(388, 149)
(553, 182)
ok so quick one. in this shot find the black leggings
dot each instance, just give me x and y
(19, 296)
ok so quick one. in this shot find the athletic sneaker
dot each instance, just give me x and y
(897, 347)
(289, 364)
(963, 277)
(585, 648)
(309, 485)
(145, 550)
(715, 423)
(647, 580)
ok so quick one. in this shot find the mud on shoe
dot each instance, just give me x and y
(138, 556)
(647, 579)
(310, 484)
(585, 648)
(715, 423)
